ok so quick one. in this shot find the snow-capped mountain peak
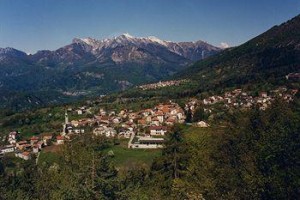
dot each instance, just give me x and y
(127, 35)
(157, 40)
(127, 44)
(90, 41)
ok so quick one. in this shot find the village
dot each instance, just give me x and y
(144, 129)
(162, 84)
(240, 99)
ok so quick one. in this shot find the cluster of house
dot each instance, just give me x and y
(161, 84)
(25, 148)
(241, 99)
(147, 123)
(81, 110)
(293, 76)
(162, 114)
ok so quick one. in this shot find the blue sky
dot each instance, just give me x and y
(32, 25)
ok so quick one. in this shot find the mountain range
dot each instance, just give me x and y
(125, 49)
(90, 67)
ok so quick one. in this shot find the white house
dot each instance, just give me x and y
(75, 123)
(78, 130)
(148, 143)
(160, 118)
(7, 149)
(35, 149)
(173, 112)
(12, 137)
(155, 121)
(148, 119)
(206, 102)
(60, 140)
(47, 139)
(106, 131)
(158, 130)
(126, 134)
(263, 94)
(110, 132)
(179, 115)
(202, 124)
(116, 120)
(24, 155)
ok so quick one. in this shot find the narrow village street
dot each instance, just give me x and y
(130, 140)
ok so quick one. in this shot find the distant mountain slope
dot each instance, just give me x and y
(89, 67)
(266, 59)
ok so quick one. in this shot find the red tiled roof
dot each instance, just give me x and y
(159, 113)
(26, 153)
(141, 121)
(104, 118)
(170, 120)
(34, 138)
(166, 110)
(22, 142)
(59, 137)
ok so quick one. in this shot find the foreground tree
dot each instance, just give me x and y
(83, 173)
(260, 156)
(171, 167)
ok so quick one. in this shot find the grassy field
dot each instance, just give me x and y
(123, 158)
(194, 133)
(128, 158)
(48, 157)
